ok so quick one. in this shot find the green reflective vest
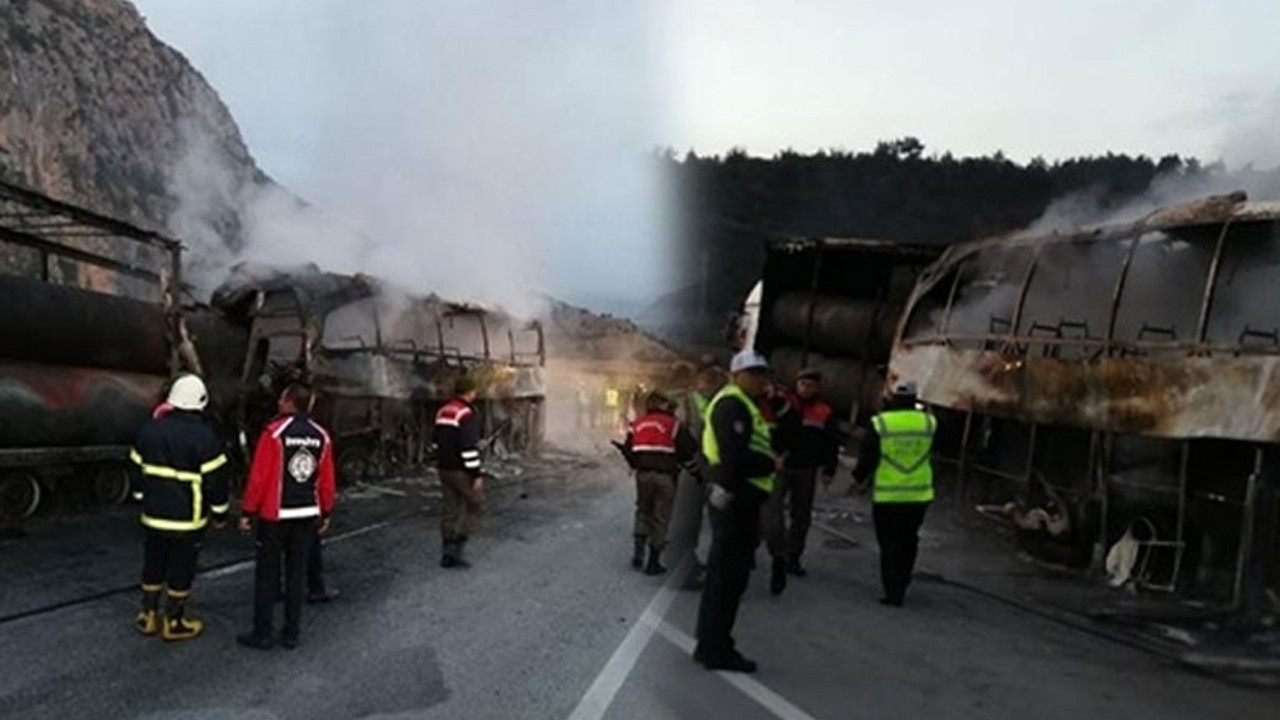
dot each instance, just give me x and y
(904, 474)
(760, 438)
(701, 404)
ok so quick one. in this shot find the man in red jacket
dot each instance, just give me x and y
(290, 491)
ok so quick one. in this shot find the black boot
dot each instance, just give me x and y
(795, 568)
(654, 567)
(452, 557)
(637, 555)
(778, 579)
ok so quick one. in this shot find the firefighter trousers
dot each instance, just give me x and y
(898, 535)
(169, 558)
(789, 513)
(655, 497)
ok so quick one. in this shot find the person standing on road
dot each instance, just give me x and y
(457, 438)
(808, 437)
(658, 447)
(179, 473)
(741, 465)
(895, 455)
(290, 491)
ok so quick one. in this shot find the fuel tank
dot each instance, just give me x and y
(59, 325)
(61, 406)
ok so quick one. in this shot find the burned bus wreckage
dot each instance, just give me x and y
(97, 322)
(1117, 388)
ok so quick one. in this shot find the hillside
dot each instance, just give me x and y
(95, 110)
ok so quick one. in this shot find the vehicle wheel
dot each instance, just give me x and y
(19, 496)
(352, 466)
(111, 486)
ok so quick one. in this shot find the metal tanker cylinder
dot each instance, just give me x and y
(840, 326)
(844, 380)
(58, 325)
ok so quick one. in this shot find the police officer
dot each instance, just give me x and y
(179, 473)
(457, 438)
(808, 437)
(657, 447)
(741, 466)
(290, 491)
(895, 454)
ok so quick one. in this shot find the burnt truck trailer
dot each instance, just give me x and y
(89, 336)
(382, 362)
(1117, 380)
(833, 304)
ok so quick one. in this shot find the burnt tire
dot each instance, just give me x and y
(352, 466)
(111, 486)
(20, 496)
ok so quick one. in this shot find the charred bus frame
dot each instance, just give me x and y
(1127, 373)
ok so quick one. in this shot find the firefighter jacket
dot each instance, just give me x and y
(808, 434)
(736, 444)
(292, 476)
(657, 442)
(179, 472)
(457, 437)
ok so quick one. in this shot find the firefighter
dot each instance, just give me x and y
(291, 492)
(457, 437)
(895, 456)
(808, 437)
(741, 466)
(179, 473)
(657, 447)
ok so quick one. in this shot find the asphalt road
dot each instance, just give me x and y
(552, 624)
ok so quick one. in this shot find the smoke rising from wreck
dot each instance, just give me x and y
(469, 150)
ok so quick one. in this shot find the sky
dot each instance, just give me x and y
(521, 125)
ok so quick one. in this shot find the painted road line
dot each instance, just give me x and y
(779, 706)
(243, 565)
(595, 703)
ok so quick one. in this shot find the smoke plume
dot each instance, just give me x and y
(466, 149)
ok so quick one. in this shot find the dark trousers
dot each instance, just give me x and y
(791, 500)
(735, 532)
(315, 567)
(289, 540)
(169, 558)
(898, 534)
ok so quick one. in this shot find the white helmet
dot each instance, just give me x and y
(188, 393)
(748, 360)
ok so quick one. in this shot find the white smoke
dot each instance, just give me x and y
(471, 150)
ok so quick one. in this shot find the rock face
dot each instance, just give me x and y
(576, 333)
(96, 111)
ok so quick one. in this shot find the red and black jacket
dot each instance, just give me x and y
(657, 442)
(809, 435)
(292, 476)
(457, 437)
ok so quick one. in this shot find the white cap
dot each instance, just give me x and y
(905, 388)
(188, 393)
(748, 360)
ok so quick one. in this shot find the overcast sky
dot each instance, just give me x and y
(541, 102)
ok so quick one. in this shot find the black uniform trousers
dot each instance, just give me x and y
(169, 558)
(315, 567)
(735, 533)
(290, 541)
(898, 534)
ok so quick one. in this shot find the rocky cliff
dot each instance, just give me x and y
(95, 110)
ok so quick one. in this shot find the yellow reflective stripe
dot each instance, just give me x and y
(177, 593)
(135, 457)
(213, 464)
(179, 525)
(220, 509)
(137, 495)
(171, 473)
(151, 588)
(197, 500)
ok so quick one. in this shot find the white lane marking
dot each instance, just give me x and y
(752, 688)
(595, 703)
(247, 564)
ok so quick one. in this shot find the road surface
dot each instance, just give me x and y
(551, 623)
